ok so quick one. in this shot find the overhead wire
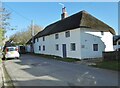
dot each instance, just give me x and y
(17, 13)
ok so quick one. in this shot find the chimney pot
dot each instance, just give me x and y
(64, 13)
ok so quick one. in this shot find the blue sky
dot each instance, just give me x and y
(45, 13)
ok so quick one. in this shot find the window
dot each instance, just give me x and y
(37, 40)
(95, 47)
(67, 33)
(56, 36)
(43, 38)
(39, 48)
(57, 47)
(118, 42)
(73, 47)
(102, 33)
(43, 48)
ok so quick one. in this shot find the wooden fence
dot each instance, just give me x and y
(114, 55)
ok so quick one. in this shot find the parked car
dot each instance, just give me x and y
(11, 52)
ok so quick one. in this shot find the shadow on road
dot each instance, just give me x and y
(47, 72)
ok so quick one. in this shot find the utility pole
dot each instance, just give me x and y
(32, 32)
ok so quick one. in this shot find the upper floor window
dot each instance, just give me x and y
(43, 38)
(102, 32)
(95, 47)
(67, 33)
(56, 36)
(73, 46)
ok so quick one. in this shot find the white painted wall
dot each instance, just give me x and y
(50, 44)
(107, 38)
(88, 38)
(82, 36)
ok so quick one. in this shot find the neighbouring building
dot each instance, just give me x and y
(116, 42)
(78, 36)
(28, 47)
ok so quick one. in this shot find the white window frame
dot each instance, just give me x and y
(73, 48)
(56, 36)
(57, 47)
(95, 47)
(67, 34)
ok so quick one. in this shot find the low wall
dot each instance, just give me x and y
(114, 55)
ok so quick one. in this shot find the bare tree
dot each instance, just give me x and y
(23, 37)
(4, 16)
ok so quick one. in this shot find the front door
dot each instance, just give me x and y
(64, 50)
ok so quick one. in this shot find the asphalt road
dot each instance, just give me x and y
(36, 71)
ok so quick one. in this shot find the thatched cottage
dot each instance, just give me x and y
(78, 36)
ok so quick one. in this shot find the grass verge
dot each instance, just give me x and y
(7, 79)
(57, 58)
(0, 60)
(111, 65)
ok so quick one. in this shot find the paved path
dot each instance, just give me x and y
(36, 71)
(1, 81)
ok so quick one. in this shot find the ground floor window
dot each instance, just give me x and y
(57, 47)
(95, 47)
(39, 48)
(43, 47)
(73, 46)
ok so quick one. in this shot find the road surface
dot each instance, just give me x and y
(36, 71)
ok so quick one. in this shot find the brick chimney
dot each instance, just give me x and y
(64, 13)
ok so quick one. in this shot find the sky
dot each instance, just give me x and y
(60, 0)
(45, 13)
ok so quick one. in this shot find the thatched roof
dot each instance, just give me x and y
(79, 20)
(94, 23)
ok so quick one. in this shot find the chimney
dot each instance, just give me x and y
(64, 13)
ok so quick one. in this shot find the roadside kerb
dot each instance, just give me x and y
(1, 76)
(8, 83)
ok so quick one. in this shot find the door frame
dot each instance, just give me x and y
(64, 50)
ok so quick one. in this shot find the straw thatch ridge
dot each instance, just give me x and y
(94, 23)
(79, 20)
